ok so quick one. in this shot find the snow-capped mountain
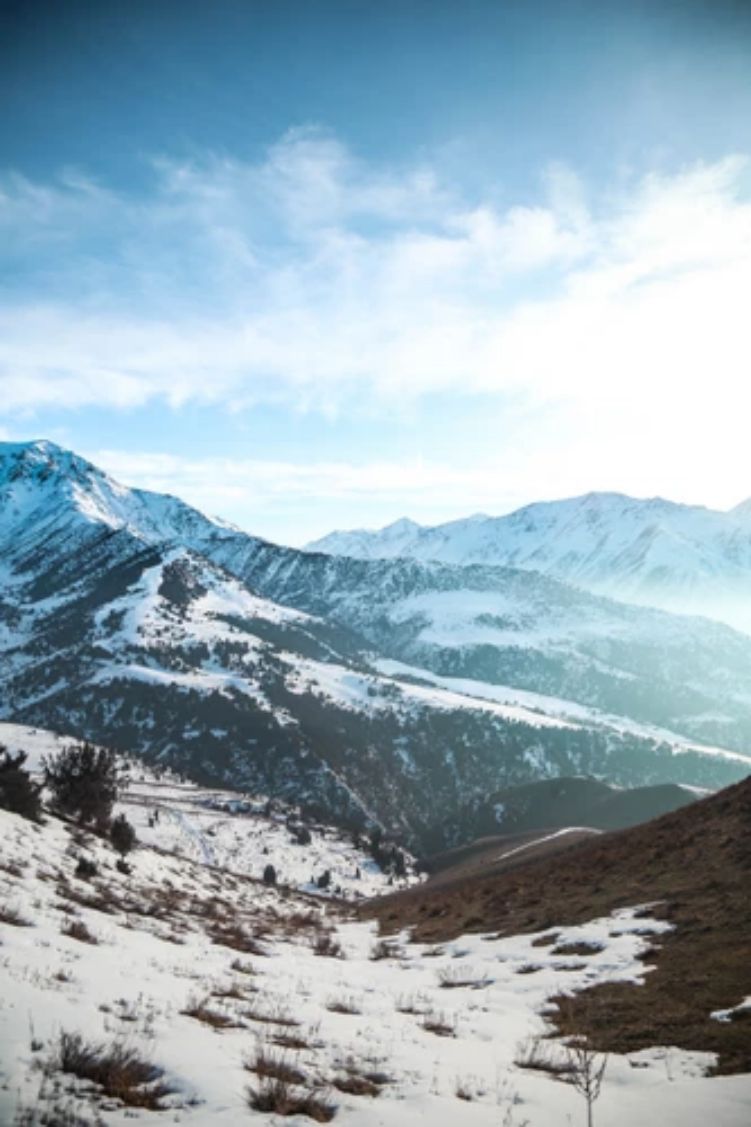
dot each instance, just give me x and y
(382, 692)
(682, 558)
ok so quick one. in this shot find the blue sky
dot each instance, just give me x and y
(323, 264)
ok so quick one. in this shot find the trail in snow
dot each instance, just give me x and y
(548, 837)
(190, 831)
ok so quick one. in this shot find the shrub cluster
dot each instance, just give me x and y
(18, 793)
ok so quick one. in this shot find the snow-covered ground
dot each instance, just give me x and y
(444, 1032)
(537, 708)
(227, 829)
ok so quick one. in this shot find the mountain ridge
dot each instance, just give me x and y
(682, 558)
(131, 618)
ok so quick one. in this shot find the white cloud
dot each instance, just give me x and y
(293, 498)
(313, 280)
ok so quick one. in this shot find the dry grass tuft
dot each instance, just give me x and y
(452, 978)
(343, 1005)
(578, 947)
(236, 938)
(9, 914)
(118, 1070)
(439, 1024)
(327, 946)
(385, 949)
(274, 1066)
(537, 1056)
(200, 1009)
(77, 929)
(282, 1098)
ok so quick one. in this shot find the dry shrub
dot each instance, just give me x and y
(11, 915)
(439, 1024)
(232, 991)
(274, 1066)
(241, 967)
(118, 1070)
(355, 1085)
(275, 1015)
(286, 1040)
(538, 1056)
(356, 1081)
(11, 868)
(578, 947)
(546, 940)
(282, 1098)
(343, 1005)
(200, 1009)
(413, 1003)
(237, 939)
(385, 949)
(325, 945)
(77, 929)
(451, 978)
(302, 922)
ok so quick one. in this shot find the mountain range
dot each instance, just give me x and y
(388, 693)
(682, 558)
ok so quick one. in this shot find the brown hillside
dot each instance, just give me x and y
(695, 861)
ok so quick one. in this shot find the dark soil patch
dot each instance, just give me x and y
(696, 862)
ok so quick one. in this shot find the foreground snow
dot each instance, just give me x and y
(167, 941)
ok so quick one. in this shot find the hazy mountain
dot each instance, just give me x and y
(682, 558)
(132, 618)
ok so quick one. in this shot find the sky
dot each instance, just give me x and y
(318, 264)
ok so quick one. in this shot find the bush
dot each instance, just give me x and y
(117, 1069)
(269, 875)
(83, 781)
(86, 869)
(279, 1096)
(122, 835)
(17, 792)
(324, 881)
(77, 929)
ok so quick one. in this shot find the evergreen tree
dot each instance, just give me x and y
(83, 781)
(17, 791)
(122, 834)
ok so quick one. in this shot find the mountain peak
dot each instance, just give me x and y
(403, 524)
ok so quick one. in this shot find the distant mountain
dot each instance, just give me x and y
(682, 558)
(380, 692)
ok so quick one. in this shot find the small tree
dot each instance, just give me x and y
(269, 875)
(122, 835)
(17, 791)
(324, 881)
(587, 1069)
(83, 781)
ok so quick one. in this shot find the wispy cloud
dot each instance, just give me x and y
(317, 281)
(311, 276)
(264, 491)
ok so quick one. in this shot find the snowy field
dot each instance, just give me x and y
(209, 976)
(224, 828)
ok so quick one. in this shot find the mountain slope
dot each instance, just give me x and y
(682, 558)
(693, 864)
(553, 804)
(214, 983)
(132, 619)
(509, 627)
